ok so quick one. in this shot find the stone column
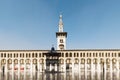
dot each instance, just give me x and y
(44, 64)
(38, 63)
(64, 65)
(117, 68)
(18, 68)
(79, 70)
(104, 69)
(12, 69)
(111, 68)
(24, 68)
(73, 68)
(6, 65)
(85, 68)
(92, 69)
(98, 68)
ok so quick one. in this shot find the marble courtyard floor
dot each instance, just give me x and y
(89, 75)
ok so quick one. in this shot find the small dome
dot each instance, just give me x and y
(52, 49)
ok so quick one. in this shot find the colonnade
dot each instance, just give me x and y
(76, 65)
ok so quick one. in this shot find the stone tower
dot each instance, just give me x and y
(61, 36)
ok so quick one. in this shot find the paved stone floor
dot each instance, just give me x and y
(89, 75)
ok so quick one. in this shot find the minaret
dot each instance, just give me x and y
(61, 36)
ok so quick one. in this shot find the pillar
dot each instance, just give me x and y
(57, 67)
(79, 70)
(117, 68)
(6, 65)
(73, 67)
(64, 65)
(18, 68)
(24, 68)
(98, 68)
(104, 70)
(85, 68)
(12, 69)
(111, 69)
(92, 69)
(44, 64)
(38, 65)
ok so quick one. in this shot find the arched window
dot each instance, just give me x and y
(61, 40)
(32, 54)
(39, 54)
(29, 55)
(66, 54)
(35, 54)
(70, 54)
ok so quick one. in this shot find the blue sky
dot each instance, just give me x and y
(31, 24)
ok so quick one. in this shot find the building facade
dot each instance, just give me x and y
(69, 60)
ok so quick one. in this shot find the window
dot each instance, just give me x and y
(62, 54)
(112, 55)
(39, 54)
(99, 54)
(118, 54)
(36, 55)
(17, 54)
(106, 54)
(11, 55)
(26, 55)
(4, 54)
(87, 54)
(32, 54)
(90, 54)
(20, 55)
(8, 55)
(66, 54)
(74, 54)
(14, 54)
(23, 54)
(80, 54)
(29, 55)
(93, 54)
(77, 55)
(61, 40)
(96, 55)
(1, 54)
(102, 54)
(83, 54)
(70, 54)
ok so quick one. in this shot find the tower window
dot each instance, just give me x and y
(61, 40)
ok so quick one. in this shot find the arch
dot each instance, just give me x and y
(9, 61)
(114, 60)
(27, 61)
(82, 61)
(61, 61)
(68, 61)
(66, 55)
(88, 61)
(76, 61)
(101, 61)
(3, 61)
(15, 61)
(34, 61)
(41, 61)
(107, 60)
(70, 54)
(21, 61)
(95, 60)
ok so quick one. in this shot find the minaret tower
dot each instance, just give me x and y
(61, 36)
